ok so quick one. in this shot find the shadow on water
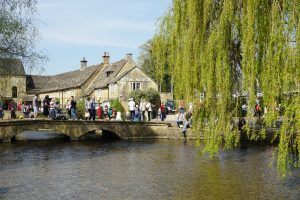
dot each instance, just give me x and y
(32, 136)
(4, 191)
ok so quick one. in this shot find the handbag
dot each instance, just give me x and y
(86, 114)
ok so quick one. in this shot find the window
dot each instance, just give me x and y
(135, 86)
(14, 92)
(108, 73)
(98, 93)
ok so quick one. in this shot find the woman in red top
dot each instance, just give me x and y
(162, 110)
(100, 111)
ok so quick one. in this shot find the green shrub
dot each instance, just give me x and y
(118, 106)
(150, 95)
(137, 95)
(80, 106)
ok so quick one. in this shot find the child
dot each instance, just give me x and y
(13, 113)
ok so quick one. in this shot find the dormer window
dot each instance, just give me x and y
(108, 73)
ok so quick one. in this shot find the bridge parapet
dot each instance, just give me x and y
(76, 129)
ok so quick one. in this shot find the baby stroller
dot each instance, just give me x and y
(56, 114)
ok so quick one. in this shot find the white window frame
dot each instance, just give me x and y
(135, 86)
(98, 93)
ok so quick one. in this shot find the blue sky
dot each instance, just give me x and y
(72, 29)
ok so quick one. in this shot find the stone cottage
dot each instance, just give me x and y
(12, 80)
(105, 81)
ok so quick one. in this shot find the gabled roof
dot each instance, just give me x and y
(96, 74)
(114, 80)
(66, 80)
(102, 80)
(11, 66)
(117, 78)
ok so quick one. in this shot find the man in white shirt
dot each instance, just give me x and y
(35, 104)
(143, 110)
(131, 106)
(149, 110)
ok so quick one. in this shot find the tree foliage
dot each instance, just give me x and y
(149, 95)
(18, 31)
(221, 47)
(146, 60)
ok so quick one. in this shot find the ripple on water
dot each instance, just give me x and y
(138, 170)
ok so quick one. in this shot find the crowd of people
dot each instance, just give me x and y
(139, 112)
(143, 111)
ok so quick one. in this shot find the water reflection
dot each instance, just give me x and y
(138, 170)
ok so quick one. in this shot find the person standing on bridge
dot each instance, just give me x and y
(46, 106)
(93, 109)
(88, 110)
(149, 111)
(131, 106)
(143, 110)
(73, 108)
(35, 105)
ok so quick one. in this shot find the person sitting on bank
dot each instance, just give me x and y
(187, 123)
(179, 119)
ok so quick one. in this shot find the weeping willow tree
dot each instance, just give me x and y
(216, 48)
(19, 33)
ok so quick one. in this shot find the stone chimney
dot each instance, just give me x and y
(83, 64)
(105, 58)
(129, 56)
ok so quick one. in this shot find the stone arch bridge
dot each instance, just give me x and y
(75, 129)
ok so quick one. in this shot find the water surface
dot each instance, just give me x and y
(139, 170)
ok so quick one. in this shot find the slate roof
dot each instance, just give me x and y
(75, 79)
(102, 80)
(115, 79)
(66, 80)
(11, 66)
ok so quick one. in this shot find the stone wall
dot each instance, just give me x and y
(63, 95)
(7, 82)
(124, 85)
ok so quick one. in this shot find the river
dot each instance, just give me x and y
(145, 169)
